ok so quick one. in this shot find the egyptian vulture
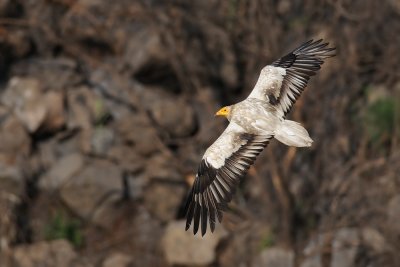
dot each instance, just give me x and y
(253, 122)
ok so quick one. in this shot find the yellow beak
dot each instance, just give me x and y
(222, 112)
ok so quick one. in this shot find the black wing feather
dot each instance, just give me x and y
(213, 188)
(300, 65)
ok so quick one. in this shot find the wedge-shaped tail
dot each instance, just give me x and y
(292, 133)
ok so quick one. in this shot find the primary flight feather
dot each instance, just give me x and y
(253, 122)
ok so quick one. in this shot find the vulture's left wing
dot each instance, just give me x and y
(224, 163)
(281, 83)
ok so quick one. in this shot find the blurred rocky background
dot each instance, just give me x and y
(106, 108)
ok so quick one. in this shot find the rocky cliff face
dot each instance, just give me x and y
(106, 108)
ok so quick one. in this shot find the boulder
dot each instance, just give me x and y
(85, 190)
(61, 171)
(183, 248)
(163, 199)
(53, 253)
(25, 97)
(35, 108)
(137, 132)
(175, 116)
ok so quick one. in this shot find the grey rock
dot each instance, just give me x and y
(85, 108)
(54, 253)
(344, 247)
(85, 191)
(33, 107)
(25, 96)
(173, 115)
(182, 247)
(61, 171)
(117, 260)
(102, 140)
(275, 257)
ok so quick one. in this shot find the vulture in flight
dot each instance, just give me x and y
(253, 122)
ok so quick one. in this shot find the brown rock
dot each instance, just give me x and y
(137, 132)
(143, 48)
(126, 158)
(163, 199)
(14, 140)
(85, 108)
(107, 213)
(160, 167)
(174, 115)
(183, 248)
(61, 171)
(84, 192)
(14, 148)
(55, 115)
(54, 253)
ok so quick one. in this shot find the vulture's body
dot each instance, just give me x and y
(253, 122)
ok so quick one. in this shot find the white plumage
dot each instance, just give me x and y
(253, 122)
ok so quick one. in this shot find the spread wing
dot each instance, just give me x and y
(282, 82)
(224, 163)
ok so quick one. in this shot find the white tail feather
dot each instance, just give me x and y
(292, 133)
